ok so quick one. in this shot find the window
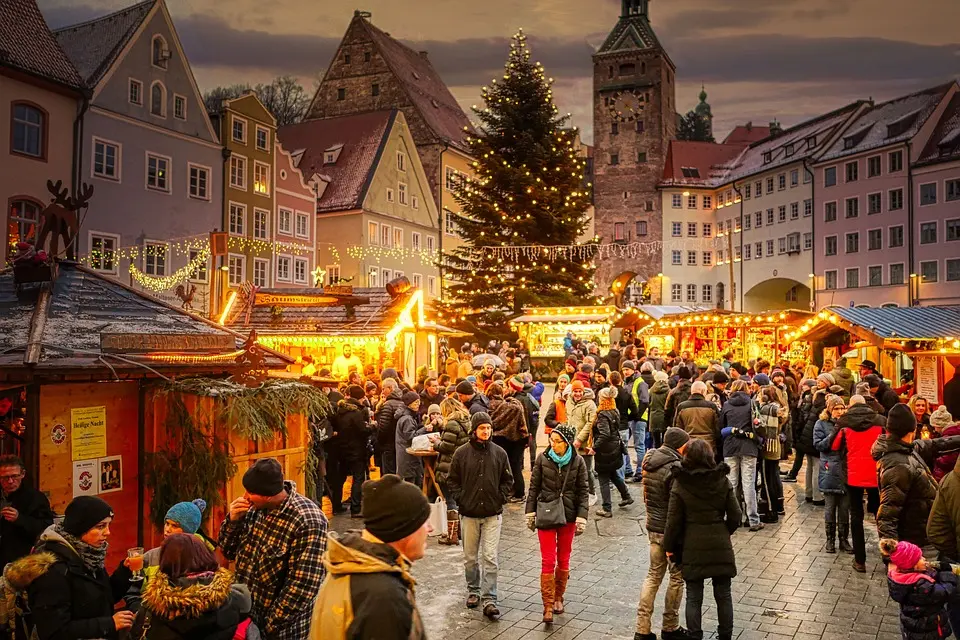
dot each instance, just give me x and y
(341, 94)
(641, 228)
(896, 273)
(135, 92)
(398, 237)
(676, 229)
(769, 185)
(896, 236)
(239, 129)
(158, 177)
(366, 56)
(676, 258)
(641, 157)
(953, 229)
(708, 258)
(389, 195)
(619, 231)
(385, 274)
(758, 250)
(953, 270)
(260, 226)
(415, 241)
(261, 178)
(691, 229)
(29, 130)
(781, 245)
(808, 241)
(789, 150)
(781, 182)
(402, 193)
(453, 179)
(431, 285)
(155, 258)
(928, 233)
(160, 52)
(417, 281)
(375, 89)
(707, 290)
(285, 221)
(179, 107)
(691, 293)
(747, 221)
(852, 171)
(199, 184)
(873, 166)
(449, 223)
(373, 233)
(677, 201)
(747, 251)
(401, 161)
(720, 227)
(874, 203)
(830, 177)
(794, 210)
(769, 248)
(263, 138)
(852, 243)
(853, 278)
(769, 217)
(260, 268)
(830, 246)
(720, 256)
(238, 218)
(807, 208)
(896, 161)
(236, 269)
(767, 157)
(729, 198)
(794, 178)
(158, 99)
(692, 201)
(874, 239)
(640, 126)
(793, 242)
(758, 189)
(928, 194)
(238, 172)
(283, 268)
(414, 202)
(896, 200)
(300, 268)
(614, 158)
(758, 219)
(103, 249)
(691, 258)
(385, 236)
(852, 207)
(614, 128)
(928, 271)
(830, 280)
(874, 276)
(106, 159)
(707, 230)
(782, 213)
(676, 293)
(708, 201)
(430, 244)
(372, 277)
(746, 191)
(200, 271)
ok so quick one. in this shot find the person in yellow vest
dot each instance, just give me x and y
(345, 363)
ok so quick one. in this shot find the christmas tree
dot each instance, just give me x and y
(528, 190)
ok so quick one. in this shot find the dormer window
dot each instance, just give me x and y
(789, 150)
(160, 53)
(331, 155)
(903, 125)
(811, 142)
(767, 157)
(849, 142)
(690, 172)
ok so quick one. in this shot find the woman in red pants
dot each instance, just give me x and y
(559, 473)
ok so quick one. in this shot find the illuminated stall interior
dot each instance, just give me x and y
(544, 328)
(627, 322)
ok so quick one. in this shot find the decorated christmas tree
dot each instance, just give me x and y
(528, 192)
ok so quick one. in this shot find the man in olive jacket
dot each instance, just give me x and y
(481, 483)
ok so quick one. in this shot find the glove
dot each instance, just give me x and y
(532, 521)
(581, 525)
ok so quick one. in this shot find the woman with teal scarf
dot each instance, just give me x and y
(558, 473)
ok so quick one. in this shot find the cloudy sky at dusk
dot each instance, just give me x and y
(759, 59)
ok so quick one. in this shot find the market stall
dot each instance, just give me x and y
(628, 323)
(545, 328)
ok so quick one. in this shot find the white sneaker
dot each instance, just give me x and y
(593, 499)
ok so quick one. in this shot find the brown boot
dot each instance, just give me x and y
(561, 588)
(547, 585)
(452, 536)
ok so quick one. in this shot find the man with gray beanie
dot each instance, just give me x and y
(657, 468)
(481, 482)
(277, 537)
(368, 592)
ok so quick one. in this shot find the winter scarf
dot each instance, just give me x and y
(91, 556)
(172, 601)
(561, 461)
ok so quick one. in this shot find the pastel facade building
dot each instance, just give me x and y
(295, 195)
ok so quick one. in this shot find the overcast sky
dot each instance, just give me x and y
(759, 59)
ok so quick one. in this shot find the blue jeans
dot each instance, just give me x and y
(640, 440)
(481, 537)
(743, 470)
(627, 468)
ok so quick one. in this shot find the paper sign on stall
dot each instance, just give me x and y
(928, 381)
(88, 432)
(84, 478)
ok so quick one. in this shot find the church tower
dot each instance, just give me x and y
(634, 118)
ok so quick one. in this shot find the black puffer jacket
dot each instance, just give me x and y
(657, 467)
(386, 418)
(546, 479)
(922, 612)
(35, 516)
(627, 406)
(677, 395)
(656, 415)
(480, 479)
(608, 456)
(737, 414)
(887, 397)
(352, 428)
(802, 415)
(703, 514)
(804, 439)
(456, 433)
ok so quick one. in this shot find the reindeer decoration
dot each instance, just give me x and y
(60, 219)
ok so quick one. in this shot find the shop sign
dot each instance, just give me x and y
(927, 375)
(292, 300)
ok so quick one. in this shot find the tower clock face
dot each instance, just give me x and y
(626, 106)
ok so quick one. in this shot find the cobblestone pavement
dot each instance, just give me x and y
(787, 586)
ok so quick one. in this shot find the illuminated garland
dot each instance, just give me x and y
(162, 283)
(427, 258)
(184, 246)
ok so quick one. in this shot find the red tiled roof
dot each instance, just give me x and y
(362, 137)
(746, 134)
(424, 86)
(26, 44)
(703, 157)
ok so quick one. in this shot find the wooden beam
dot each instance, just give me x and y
(37, 324)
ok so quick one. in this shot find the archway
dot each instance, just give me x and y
(777, 293)
(628, 289)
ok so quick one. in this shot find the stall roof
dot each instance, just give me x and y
(709, 317)
(893, 324)
(565, 314)
(628, 316)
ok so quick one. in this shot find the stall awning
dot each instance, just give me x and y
(886, 326)
(645, 313)
(573, 315)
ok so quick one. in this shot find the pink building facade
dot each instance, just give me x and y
(867, 228)
(295, 194)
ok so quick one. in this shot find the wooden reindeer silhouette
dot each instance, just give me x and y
(60, 219)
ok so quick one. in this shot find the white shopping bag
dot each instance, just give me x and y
(438, 517)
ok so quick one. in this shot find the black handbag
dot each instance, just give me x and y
(551, 514)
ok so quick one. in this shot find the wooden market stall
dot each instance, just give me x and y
(544, 328)
(922, 343)
(629, 322)
(81, 357)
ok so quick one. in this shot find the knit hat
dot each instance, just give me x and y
(264, 478)
(370, 386)
(479, 418)
(834, 401)
(187, 514)
(390, 373)
(601, 372)
(777, 373)
(675, 438)
(941, 418)
(629, 364)
(472, 379)
(827, 379)
(563, 377)
(900, 421)
(808, 382)
(576, 384)
(683, 373)
(393, 509)
(570, 361)
(515, 383)
(409, 397)
(720, 378)
(660, 376)
(762, 379)
(566, 432)
(356, 392)
(608, 393)
(83, 513)
(906, 556)
(434, 408)
(465, 388)
(873, 380)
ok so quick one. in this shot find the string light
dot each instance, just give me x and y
(163, 283)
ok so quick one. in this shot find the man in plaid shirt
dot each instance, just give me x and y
(277, 538)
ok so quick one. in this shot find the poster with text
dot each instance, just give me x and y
(88, 428)
(926, 374)
(85, 478)
(111, 474)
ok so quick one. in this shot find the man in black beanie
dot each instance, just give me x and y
(277, 538)
(369, 591)
(474, 401)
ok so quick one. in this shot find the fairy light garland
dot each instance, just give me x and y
(427, 258)
(163, 283)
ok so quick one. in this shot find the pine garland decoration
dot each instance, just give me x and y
(528, 190)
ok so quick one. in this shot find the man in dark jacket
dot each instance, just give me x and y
(677, 395)
(348, 454)
(481, 482)
(25, 513)
(386, 419)
(430, 395)
(657, 468)
(474, 402)
(699, 417)
(886, 396)
(627, 408)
